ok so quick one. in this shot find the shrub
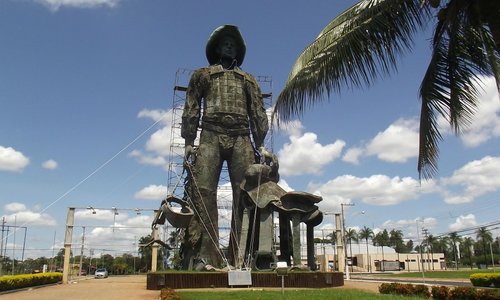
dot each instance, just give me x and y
(485, 279)
(421, 290)
(168, 294)
(404, 289)
(388, 288)
(27, 280)
(488, 294)
(440, 292)
(463, 293)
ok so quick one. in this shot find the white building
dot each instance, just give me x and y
(376, 262)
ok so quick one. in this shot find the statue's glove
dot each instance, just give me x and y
(188, 153)
(267, 156)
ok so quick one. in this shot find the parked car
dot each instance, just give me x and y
(101, 273)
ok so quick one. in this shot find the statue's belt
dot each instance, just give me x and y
(225, 125)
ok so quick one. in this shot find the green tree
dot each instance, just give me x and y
(454, 239)
(366, 41)
(484, 237)
(351, 235)
(106, 261)
(381, 239)
(366, 233)
(174, 241)
(430, 241)
(396, 240)
(332, 237)
(145, 251)
(466, 248)
(409, 246)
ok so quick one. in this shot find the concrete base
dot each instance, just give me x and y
(188, 280)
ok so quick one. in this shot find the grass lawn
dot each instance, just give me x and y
(450, 274)
(344, 294)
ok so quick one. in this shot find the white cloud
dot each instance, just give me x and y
(100, 214)
(157, 115)
(152, 192)
(463, 222)
(54, 5)
(304, 155)
(284, 185)
(12, 160)
(486, 121)
(150, 160)
(14, 207)
(352, 155)
(160, 141)
(121, 236)
(409, 226)
(20, 214)
(396, 144)
(292, 128)
(477, 178)
(374, 190)
(50, 164)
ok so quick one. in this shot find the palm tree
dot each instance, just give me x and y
(366, 41)
(332, 237)
(382, 239)
(351, 235)
(454, 238)
(484, 237)
(431, 241)
(366, 233)
(466, 246)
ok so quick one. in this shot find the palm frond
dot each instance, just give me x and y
(462, 50)
(358, 46)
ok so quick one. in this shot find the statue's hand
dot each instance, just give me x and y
(264, 153)
(188, 152)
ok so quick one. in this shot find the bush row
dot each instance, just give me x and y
(168, 294)
(485, 279)
(438, 292)
(27, 280)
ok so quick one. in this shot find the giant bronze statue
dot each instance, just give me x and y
(226, 104)
(229, 103)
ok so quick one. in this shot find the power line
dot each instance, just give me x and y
(474, 228)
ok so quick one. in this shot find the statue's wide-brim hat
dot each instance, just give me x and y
(213, 41)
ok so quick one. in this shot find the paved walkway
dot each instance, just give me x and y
(134, 287)
(111, 288)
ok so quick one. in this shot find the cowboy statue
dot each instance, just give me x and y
(226, 103)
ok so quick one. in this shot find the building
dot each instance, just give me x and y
(376, 262)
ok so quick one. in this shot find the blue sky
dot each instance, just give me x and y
(82, 82)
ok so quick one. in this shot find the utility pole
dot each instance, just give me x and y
(347, 275)
(420, 250)
(425, 233)
(81, 252)
(14, 247)
(1, 247)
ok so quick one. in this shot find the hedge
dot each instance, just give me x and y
(28, 280)
(485, 279)
(439, 292)
(405, 289)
